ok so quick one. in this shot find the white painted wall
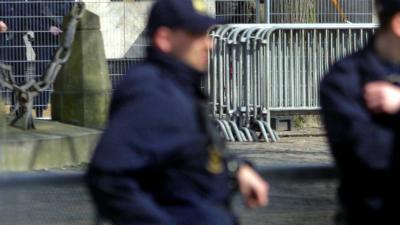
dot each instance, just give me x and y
(122, 24)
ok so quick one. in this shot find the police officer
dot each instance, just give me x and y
(159, 160)
(360, 101)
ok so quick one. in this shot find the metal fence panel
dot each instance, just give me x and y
(256, 69)
(298, 58)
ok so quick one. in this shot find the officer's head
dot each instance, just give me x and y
(179, 28)
(389, 14)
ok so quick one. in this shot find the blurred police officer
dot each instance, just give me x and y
(159, 160)
(360, 104)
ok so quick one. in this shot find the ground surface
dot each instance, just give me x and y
(292, 202)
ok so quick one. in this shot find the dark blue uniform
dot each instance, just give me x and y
(365, 145)
(156, 162)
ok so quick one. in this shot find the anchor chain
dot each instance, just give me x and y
(26, 92)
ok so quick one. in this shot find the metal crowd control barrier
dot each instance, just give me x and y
(62, 198)
(256, 69)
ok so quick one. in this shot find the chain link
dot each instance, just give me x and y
(26, 92)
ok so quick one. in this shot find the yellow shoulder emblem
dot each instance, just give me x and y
(215, 163)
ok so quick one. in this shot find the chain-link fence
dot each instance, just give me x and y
(33, 35)
(35, 29)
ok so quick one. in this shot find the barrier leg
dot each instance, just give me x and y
(271, 132)
(254, 135)
(263, 131)
(243, 136)
(247, 133)
(228, 130)
(223, 130)
(236, 131)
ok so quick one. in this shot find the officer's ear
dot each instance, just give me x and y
(395, 24)
(162, 39)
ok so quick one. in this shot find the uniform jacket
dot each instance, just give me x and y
(154, 163)
(365, 145)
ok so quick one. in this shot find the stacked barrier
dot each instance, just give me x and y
(256, 69)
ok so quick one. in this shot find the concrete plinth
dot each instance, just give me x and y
(51, 145)
(82, 89)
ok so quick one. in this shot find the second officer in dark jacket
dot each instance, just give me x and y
(159, 161)
(361, 106)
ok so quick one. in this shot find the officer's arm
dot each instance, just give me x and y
(352, 133)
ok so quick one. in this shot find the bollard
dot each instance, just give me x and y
(82, 90)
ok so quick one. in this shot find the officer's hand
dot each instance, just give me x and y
(3, 26)
(253, 187)
(382, 97)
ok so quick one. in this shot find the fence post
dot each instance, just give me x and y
(258, 11)
(267, 11)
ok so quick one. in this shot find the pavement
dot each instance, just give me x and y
(289, 150)
(292, 202)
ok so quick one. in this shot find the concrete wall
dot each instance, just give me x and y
(123, 23)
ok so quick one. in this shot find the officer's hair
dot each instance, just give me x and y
(385, 19)
(385, 16)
